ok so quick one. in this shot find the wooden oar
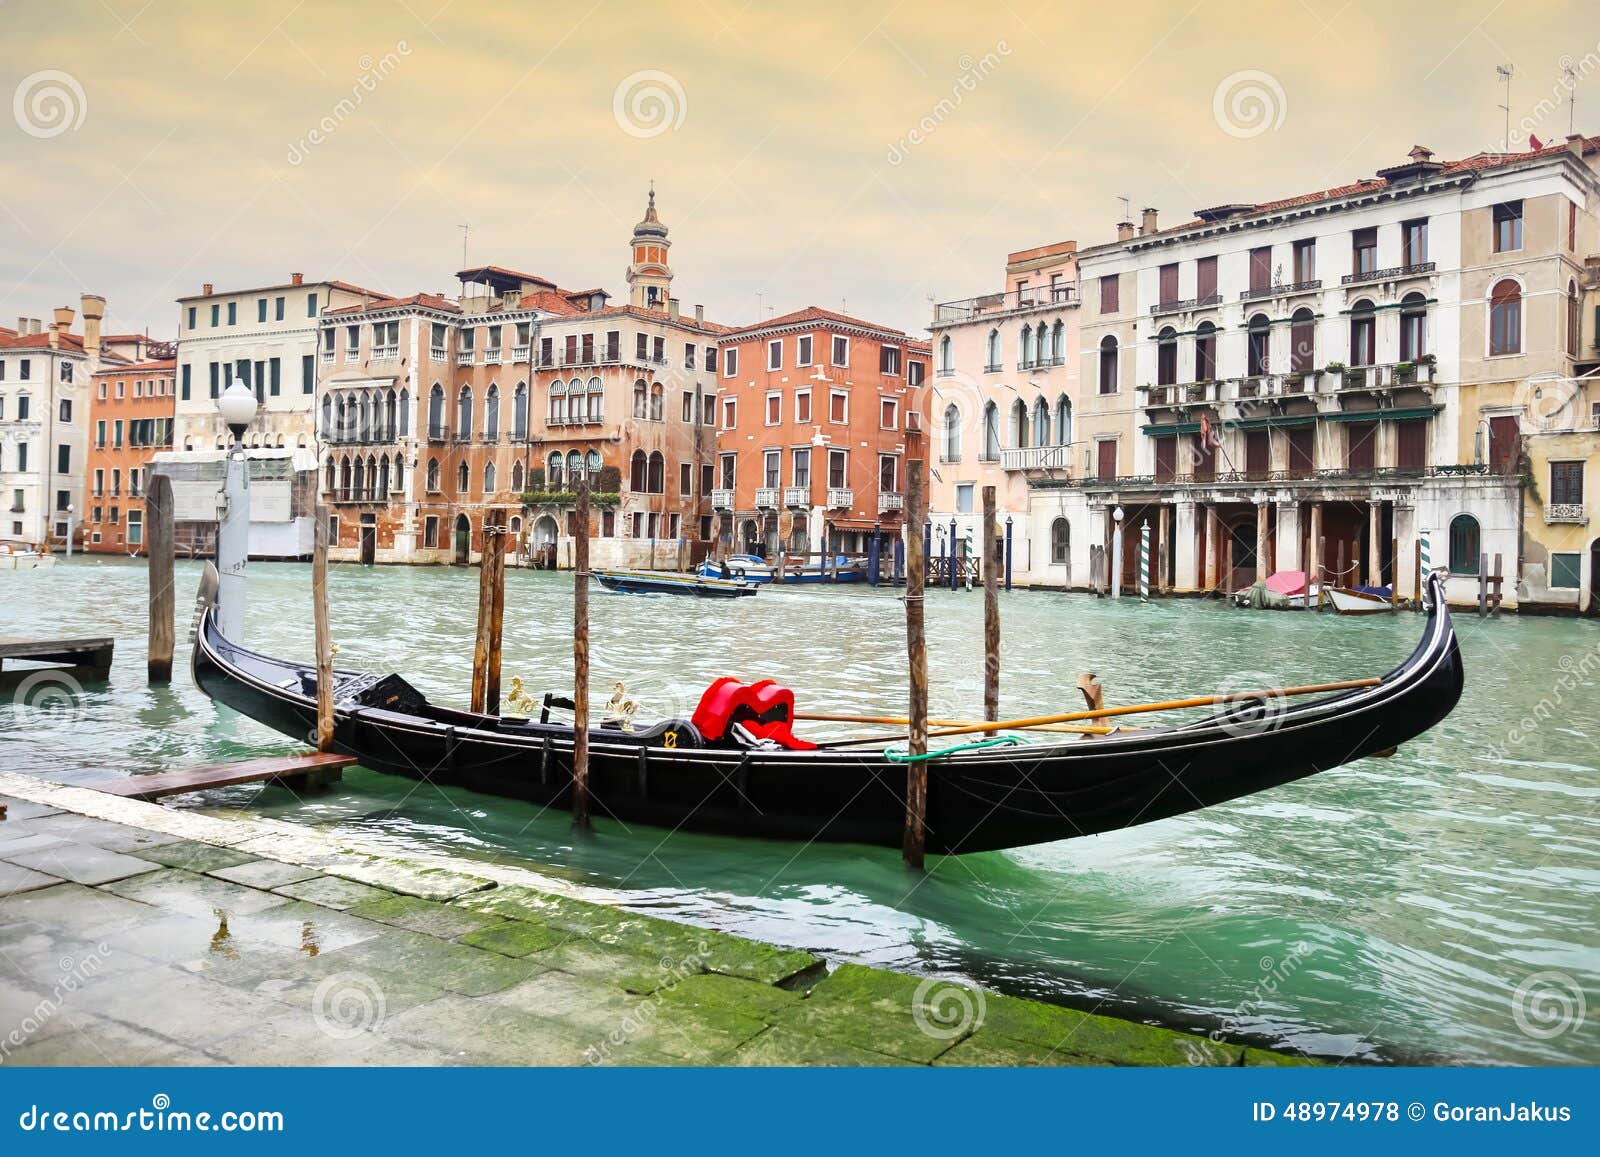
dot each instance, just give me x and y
(1130, 709)
(901, 720)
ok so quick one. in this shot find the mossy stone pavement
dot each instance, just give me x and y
(158, 937)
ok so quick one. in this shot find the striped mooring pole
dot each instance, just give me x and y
(1144, 562)
(1422, 537)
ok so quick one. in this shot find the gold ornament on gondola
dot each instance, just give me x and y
(619, 708)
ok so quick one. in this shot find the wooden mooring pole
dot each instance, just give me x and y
(915, 838)
(158, 530)
(491, 611)
(319, 616)
(991, 611)
(580, 659)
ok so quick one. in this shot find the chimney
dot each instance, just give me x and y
(1148, 224)
(1124, 230)
(295, 279)
(700, 315)
(22, 327)
(205, 290)
(672, 308)
(94, 312)
(34, 325)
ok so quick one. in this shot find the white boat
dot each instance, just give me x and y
(23, 558)
(1353, 601)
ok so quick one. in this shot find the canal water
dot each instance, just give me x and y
(1443, 904)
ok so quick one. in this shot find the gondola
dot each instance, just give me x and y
(743, 780)
(657, 582)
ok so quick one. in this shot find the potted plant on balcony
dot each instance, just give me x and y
(1196, 391)
(1405, 371)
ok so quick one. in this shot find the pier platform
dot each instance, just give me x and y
(92, 653)
(132, 934)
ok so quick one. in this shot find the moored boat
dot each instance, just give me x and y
(1361, 600)
(17, 557)
(750, 568)
(736, 767)
(658, 582)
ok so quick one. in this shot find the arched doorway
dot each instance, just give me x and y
(1594, 579)
(545, 531)
(749, 537)
(463, 544)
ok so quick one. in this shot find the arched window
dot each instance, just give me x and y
(1041, 423)
(574, 468)
(641, 400)
(658, 401)
(1302, 341)
(1363, 334)
(436, 411)
(491, 413)
(1257, 361)
(327, 417)
(1413, 327)
(1025, 349)
(488, 478)
(1574, 319)
(433, 475)
(947, 361)
(1058, 344)
(403, 426)
(558, 402)
(1060, 541)
(397, 475)
(991, 432)
(637, 476)
(658, 473)
(553, 469)
(344, 477)
(593, 462)
(363, 419)
(463, 479)
(1205, 352)
(1019, 423)
(519, 414)
(1505, 318)
(1167, 357)
(1063, 420)
(329, 480)
(993, 351)
(1108, 365)
(464, 414)
(391, 408)
(1464, 544)
(359, 484)
(517, 478)
(952, 432)
(597, 400)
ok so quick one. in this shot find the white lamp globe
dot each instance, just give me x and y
(1117, 514)
(237, 407)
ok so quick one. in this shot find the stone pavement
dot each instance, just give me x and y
(132, 934)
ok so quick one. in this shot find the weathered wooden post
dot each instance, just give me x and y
(915, 837)
(580, 662)
(319, 618)
(991, 610)
(1494, 595)
(1483, 584)
(1394, 571)
(158, 529)
(491, 607)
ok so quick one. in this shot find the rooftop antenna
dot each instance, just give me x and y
(466, 231)
(1570, 75)
(758, 305)
(1504, 71)
(1127, 207)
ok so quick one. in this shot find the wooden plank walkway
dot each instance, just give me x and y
(311, 771)
(92, 652)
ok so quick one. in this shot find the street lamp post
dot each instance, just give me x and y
(69, 530)
(237, 407)
(1116, 553)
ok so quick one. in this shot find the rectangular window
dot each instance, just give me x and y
(888, 474)
(1572, 226)
(191, 317)
(889, 361)
(688, 355)
(135, 527)
(261, 309)
(1305, 261)
(613, 341)
(688, 407)
(771, 464)
(841, 351)
(707, 477)
(1414, 242)
(802, 406)
(99, 483)
(1109, 293)
(964, 493)
(1566, 483)
(838, 469)
(1261, 267)
(916, 373)
(641, 346)
(233, 313)
(100, 433)
(730, 414)
(685, 479)
(1364, 251)
(730, 362)
(775, 354)
(800, 467)
(658, 350)
(728, 462)
(888, 414)
(1411, 444)
(774, 408)
(1106, 459)
(1361, 456)
(277, 308)
(1205, 278)
(275, 376)
(1169, 283)
(311, 305)
(216, 314)
(1565, 569)
(1507, 226)
(308, 374)
(711, 359)
(838, 406)
(802, 350)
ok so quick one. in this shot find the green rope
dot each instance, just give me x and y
(902, 755)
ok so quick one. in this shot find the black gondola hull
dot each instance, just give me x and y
(977, 800)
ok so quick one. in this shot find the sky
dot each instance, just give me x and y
(857, 156)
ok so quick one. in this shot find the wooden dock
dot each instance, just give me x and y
(93, 653)
(299, 772)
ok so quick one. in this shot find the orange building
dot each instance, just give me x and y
(817, 415)
(130, 420)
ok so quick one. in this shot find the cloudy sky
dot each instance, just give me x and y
(839, 154)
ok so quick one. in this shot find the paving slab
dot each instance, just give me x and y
(985, 1049)
(264, 874)
(22, 809)
(495, 1034)
(193, 856)
(176, 1005)
(98, 833)
(81, 1038)
(88, 912)
(16, 878)
(331, 892)
(515, 938)
(788, 1047)
(457, 968)
(82, 864)
(445, 921)
(17, 838)
(193, 895)
(300, 1038)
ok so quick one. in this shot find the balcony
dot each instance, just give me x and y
(1187, 306)
(797, 497)
(1565, 512)
(993, 368)
(766, 497)
(840, 497)
(385, 353)
(1037, 458)
(436, 353)
(1380, 377)
(1265, 291)
(326, 358)
(722, 499)
(437, 433)
(519, 353)
(352, 355)
(465, 357)
(1393, 273)
(998, 304)
(491, 357)
(891, 503)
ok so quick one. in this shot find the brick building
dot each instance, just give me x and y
(130, 419)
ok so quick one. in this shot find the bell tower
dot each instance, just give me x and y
(649, 275)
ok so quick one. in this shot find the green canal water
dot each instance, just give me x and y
(1443, 904)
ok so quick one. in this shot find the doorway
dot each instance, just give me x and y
(1594, 580)
(369, 539)
(463, 551)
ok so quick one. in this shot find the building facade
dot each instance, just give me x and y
(44, 422)
(130, 421)
(817, 416)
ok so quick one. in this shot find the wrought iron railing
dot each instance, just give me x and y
(1393, 273)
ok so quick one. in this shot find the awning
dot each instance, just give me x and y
(1243, 424)
(1399, 415)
